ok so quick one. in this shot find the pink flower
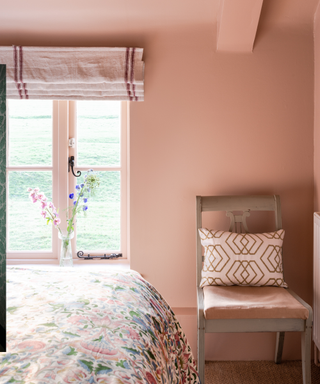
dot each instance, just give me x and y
(41, 195)
(132, 334)
(77, 319)
(50, 375)
(33, 195)
(150, 378)
(78, 375)
(43, 204)
(31, 345)
(34, 200)
(36, 189)
(51, 205)
(44, 214)
(29, 189)
(56, 221)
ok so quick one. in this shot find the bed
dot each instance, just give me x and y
(74, 326)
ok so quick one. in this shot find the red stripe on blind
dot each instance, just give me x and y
(20, 64)
(134, 92)
(15, 64)
(21, 72)
(132, 75)
(126, 71)
(15, 60)
(126, 68)
(129, 81)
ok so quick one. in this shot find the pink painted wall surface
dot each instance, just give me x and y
(211, 123)
(215, 123)
(317, 111)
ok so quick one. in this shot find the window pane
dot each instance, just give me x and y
(27, 230)
(30, 132)
(98, 124)
(100, 229)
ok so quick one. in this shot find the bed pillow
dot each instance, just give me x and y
(243, 259)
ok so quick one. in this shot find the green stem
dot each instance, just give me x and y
(52, 218)
(74, 210)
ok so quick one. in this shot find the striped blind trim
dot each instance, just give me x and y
(74, 73)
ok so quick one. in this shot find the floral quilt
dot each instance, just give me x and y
(69, 326)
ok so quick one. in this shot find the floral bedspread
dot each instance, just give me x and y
(69, 326)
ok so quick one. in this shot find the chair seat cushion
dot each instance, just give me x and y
(251, 303)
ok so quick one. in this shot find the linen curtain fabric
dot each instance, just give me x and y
(74, 73)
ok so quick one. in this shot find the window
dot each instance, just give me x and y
(38, 148)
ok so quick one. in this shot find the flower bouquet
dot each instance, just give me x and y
(80, 204)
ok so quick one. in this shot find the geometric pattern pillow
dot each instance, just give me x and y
(243, 259)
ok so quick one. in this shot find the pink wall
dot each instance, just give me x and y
(215, 123)
(317, 111)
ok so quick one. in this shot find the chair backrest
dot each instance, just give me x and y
(242, 205)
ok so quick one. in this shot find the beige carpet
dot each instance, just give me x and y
(257, 372)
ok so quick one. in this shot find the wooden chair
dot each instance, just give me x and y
(210, 319)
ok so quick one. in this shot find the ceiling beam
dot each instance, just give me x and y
(237, 25)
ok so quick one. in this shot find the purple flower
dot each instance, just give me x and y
(82, 185)
(71, 196)
(75, 202)
(85, 199)
(77, 186)
(85, 207)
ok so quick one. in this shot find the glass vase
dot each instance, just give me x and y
(66, 259)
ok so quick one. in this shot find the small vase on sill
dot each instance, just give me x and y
(66, 259)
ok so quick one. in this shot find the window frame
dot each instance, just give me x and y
(64, 116)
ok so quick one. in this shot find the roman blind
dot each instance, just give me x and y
(74, 73)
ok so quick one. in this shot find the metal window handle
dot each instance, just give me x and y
(71, 164)
(81, 255)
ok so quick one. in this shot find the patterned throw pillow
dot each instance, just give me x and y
(244, 259)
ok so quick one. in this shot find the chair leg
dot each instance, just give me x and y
(306, 355)
(279, 347)
(201, 358)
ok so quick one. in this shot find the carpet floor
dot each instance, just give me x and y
(257, 372)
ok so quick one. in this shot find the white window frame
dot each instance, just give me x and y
(64, 118)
